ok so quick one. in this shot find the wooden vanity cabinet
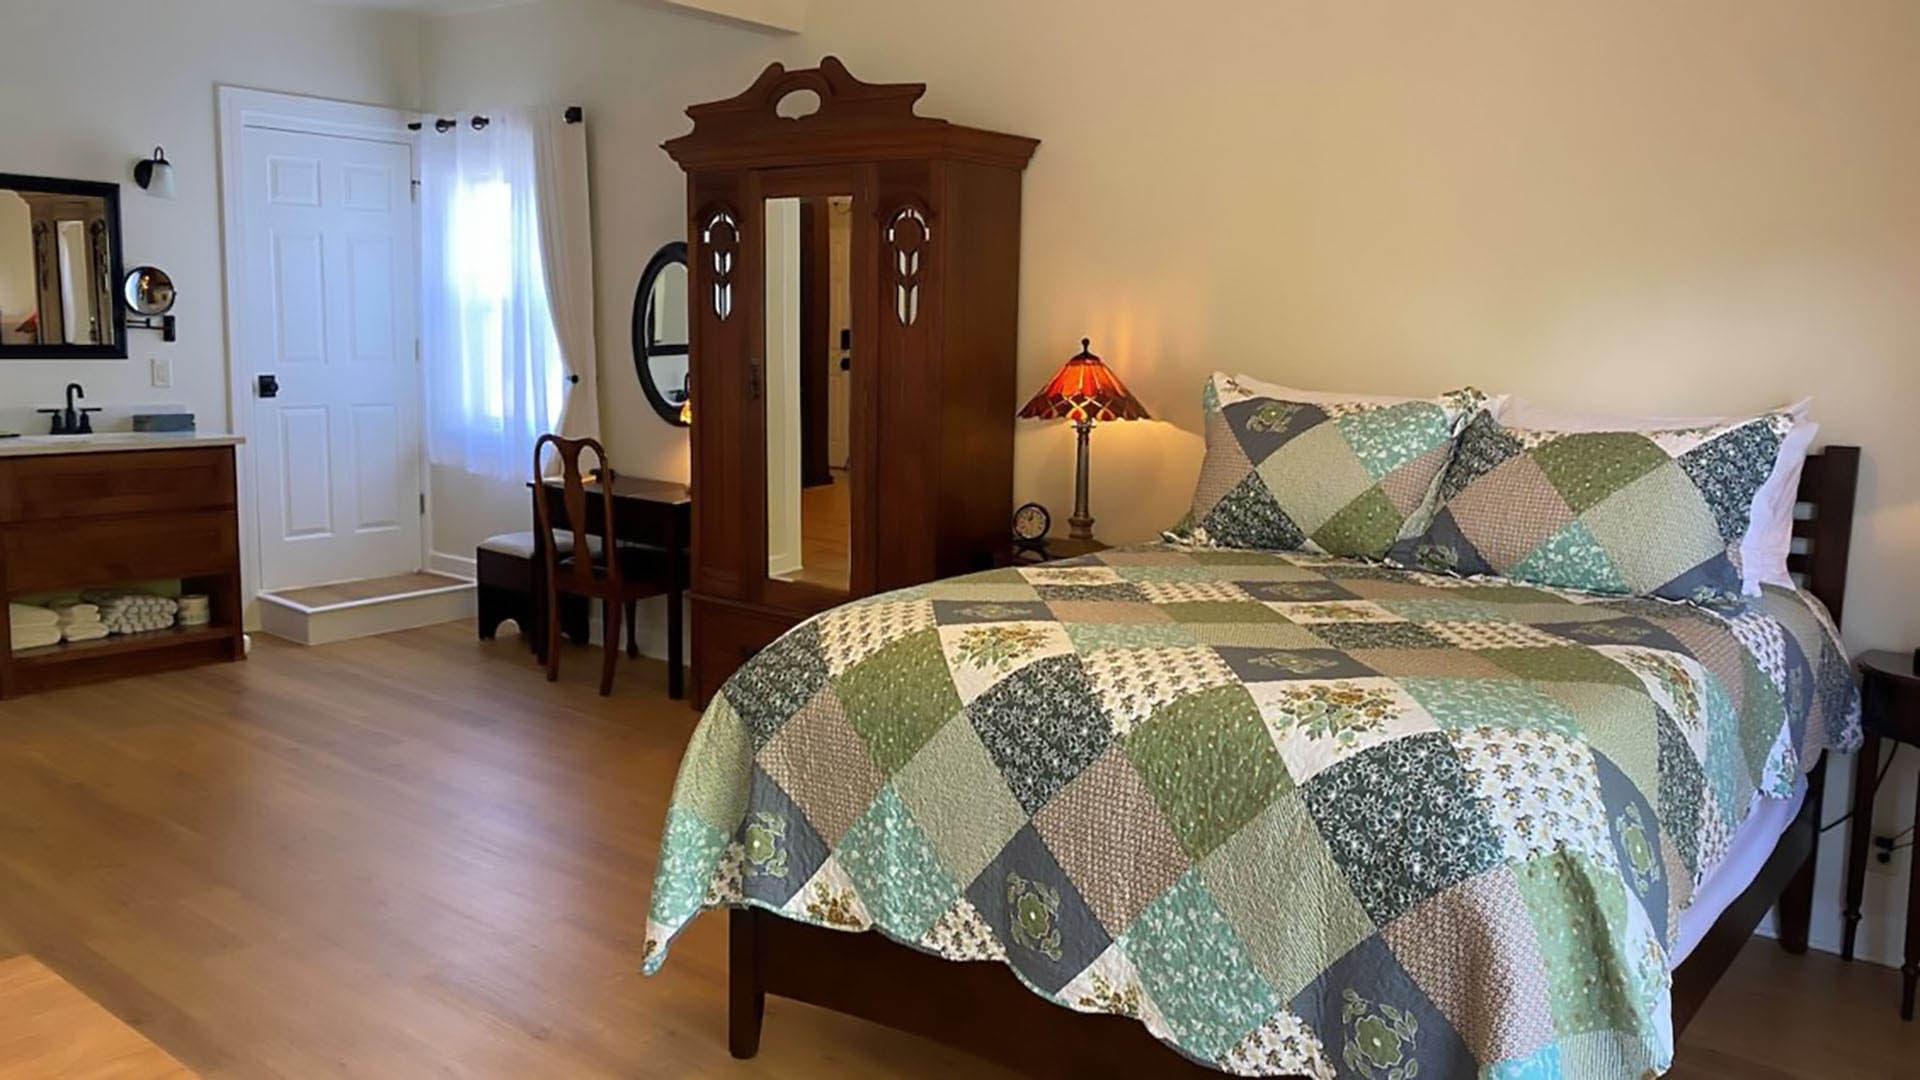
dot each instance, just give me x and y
(84, 520)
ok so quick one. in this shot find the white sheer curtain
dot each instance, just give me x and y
(498, 362)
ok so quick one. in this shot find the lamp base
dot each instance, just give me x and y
(1082, 519)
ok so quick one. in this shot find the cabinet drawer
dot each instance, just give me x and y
(64, 486)
(43, 556)
(725, 635)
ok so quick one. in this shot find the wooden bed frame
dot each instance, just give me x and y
(983, 1009)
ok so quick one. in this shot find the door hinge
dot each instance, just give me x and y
(423, 504)
(413, 191)
(417, 350)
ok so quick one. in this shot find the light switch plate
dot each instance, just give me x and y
(161, 370)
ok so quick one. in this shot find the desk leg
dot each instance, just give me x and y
(1910, 971)
(1866, 765)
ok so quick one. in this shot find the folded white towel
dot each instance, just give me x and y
(35, 637)
(90, 632)
(77, 612)
(20, 615)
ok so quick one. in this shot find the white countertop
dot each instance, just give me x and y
(110, 442)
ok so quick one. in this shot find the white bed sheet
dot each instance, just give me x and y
(1767, 821)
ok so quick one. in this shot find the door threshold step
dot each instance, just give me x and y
(320, 614)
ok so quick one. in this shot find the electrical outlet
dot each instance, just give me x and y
(161, 371)
(1889, 856)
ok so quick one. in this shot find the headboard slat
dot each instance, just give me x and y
(1828, 483)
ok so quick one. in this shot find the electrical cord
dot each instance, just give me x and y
(1885, 766)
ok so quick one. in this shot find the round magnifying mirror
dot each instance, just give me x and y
(660, 332)
(149, 291)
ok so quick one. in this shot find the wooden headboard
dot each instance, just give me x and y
(1827, 485)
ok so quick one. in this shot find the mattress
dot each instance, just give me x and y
(1766, 822)
(1295, 814)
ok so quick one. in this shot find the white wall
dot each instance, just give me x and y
(1637, 206)
(148, 79)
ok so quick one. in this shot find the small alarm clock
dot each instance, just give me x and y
(1030, 525)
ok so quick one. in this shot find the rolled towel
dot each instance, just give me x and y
(88, 632)
(35, 637)
(26, 615)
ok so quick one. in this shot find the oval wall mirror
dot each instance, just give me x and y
(660, 332)
(149, 291)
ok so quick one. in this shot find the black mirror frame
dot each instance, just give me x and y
(110, 193)
(672, 252)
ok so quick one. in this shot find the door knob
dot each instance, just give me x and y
(268, 385)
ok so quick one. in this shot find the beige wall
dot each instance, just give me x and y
(1638, 206)
(148, 78)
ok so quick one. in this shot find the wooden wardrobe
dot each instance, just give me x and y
(854, 295)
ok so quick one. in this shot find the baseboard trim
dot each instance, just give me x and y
(457, 565)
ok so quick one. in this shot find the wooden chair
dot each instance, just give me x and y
(616, 574)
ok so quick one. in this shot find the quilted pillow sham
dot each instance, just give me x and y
(1333, 477)
(1648, 513)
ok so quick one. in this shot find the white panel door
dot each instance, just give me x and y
(328, 311)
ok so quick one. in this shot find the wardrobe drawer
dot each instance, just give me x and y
(725, 635)
(64, 486)
(43, 556)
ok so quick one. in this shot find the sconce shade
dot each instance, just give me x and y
(155, 174)
(1084, 391)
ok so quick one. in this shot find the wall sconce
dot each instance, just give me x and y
(155, 174)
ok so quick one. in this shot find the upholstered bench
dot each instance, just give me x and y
(503, 567)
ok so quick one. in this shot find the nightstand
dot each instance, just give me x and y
(1890, 709)
(1062, 548)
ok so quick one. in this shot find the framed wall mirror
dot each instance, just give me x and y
(60, 269)
(660, 333)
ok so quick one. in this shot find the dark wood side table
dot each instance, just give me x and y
(645, 511)
(1890, 709)
(1057, 548)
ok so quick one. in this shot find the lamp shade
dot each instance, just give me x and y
(1084, 391)
(155, 175)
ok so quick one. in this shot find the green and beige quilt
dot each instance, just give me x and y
(1298, 815)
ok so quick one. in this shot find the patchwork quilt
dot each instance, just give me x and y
(1298, 815)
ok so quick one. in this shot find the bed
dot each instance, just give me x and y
(1497, 829)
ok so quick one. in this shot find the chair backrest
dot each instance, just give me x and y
(579, 573)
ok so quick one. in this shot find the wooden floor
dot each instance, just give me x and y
(826, 536)
(49, 1029)
(349, 592)
(409, 856)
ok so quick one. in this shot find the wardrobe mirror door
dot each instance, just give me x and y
(808, 372)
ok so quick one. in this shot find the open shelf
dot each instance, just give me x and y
(117, 644)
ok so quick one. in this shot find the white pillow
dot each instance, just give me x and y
(1769, 538)
(1261, 388)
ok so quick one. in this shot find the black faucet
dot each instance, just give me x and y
(72, 421)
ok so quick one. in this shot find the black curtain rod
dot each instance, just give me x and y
(573, 115)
